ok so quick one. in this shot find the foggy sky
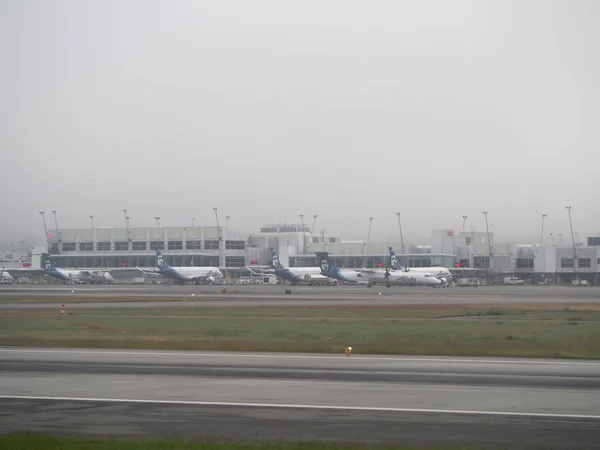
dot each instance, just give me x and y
(270, 109)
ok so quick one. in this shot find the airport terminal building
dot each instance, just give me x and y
(296, 246)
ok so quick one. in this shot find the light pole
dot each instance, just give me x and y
(127, 224)
(303, 234)
(157, 221)
(540, 247)
(45, 230)
(57, 229)
(400, 228)
(93, 233)
(227, 222)
(574, 248)
(193, 220)
(542, 231)
(368, 239)
(464, 223)
(314, 221)
(485, 213)
(215, 209)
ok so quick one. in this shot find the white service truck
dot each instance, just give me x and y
(514, 281)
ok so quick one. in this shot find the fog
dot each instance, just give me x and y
(271, 109)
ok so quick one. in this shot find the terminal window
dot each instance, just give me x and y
(593, 241)
(566, 263)
(584, 262)
(86, 246)
(157, 245)
(175, 245)
(121, 245)
(211, 245)
(212, 261)
(68, 246)
(524, 263)
(140, 245)
(103, 246)
(481, 262)
(235, 261)
(193, 245)
(235, 245)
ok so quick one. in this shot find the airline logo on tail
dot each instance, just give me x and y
(275, 260)
(160, 262)
(48, 266)
(324, 262)
(394, 263)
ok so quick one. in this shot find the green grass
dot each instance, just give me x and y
(75, 298)
(589, 312)
(30, 441)
(485, 332)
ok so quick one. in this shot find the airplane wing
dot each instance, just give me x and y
(370, 271)
(260, 270)
(23, 272)
(150, 273)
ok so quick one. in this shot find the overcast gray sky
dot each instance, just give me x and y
(270, 109)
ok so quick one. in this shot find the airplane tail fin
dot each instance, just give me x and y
(160, 262)
(48, 266)
(326, 265)
(394, 262)
(275, 263)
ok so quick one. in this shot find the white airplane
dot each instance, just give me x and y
(297, 275)
(5, 277)
(67, 275)
(183, 274)
(399, 278)
(441, 273)
(329, 269)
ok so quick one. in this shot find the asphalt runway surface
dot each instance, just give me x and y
(375, 399)
(274, 295)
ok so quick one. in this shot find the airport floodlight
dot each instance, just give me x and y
(574, 247)
(57, 229)
(227, 222)
(487, 228)
(400, 228)
(158, 221)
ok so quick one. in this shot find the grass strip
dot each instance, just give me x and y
(31, 441)
(564, 335)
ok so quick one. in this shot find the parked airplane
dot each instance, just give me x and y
(5, 277)
(329, 269)
(67, 275)
(296, 275)
(183, 274)
(400, 278)
(441, 273)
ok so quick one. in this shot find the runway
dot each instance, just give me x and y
(412, 400)
(241, 295)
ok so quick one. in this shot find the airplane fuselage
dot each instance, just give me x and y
(209, 274)
(404, 279)
(347, 276)
(68, 275)
(301, 274)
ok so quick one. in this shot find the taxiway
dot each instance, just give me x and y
(415, 400)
